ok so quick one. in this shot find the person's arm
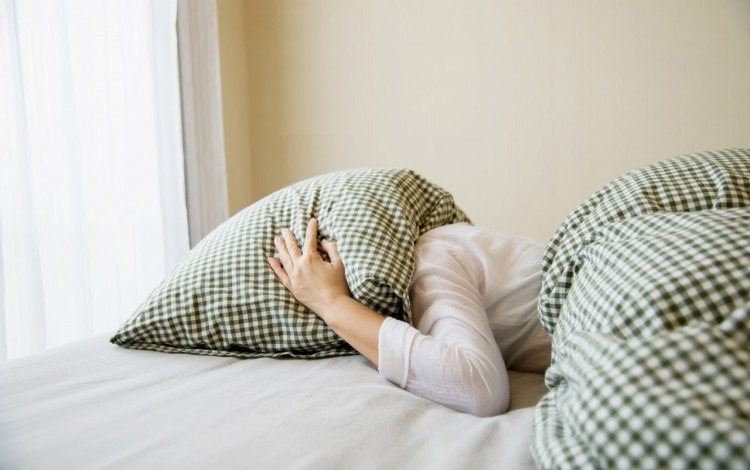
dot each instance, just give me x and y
(453, 361)
(321, 286)
(451, 357)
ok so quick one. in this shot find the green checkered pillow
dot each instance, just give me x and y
(647, 293)
(223, 299)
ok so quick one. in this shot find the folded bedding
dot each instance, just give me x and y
(646, 292)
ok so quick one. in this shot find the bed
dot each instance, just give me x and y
(93, 405)
(645, 296)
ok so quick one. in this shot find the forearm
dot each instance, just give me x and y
(456, 367)
(356, 323)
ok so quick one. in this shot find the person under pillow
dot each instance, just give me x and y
(451, 357)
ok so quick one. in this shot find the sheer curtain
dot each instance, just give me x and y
(92, 196)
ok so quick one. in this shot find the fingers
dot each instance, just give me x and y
(331, 250)
(284, 256)
(311, 237)
(290, 242)
(290, 252)
(279, 271)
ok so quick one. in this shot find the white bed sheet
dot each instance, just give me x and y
(95, 405)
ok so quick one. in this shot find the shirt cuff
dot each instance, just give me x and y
(395, 341)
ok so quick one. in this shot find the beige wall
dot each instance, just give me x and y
(233, 33)
(520, 108)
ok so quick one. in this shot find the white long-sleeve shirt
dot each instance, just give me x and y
(452, 357)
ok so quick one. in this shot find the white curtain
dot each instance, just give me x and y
(92, 197)
(202, 116)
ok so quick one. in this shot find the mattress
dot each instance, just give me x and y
(91, 404)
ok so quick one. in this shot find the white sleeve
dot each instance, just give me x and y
(451, 357)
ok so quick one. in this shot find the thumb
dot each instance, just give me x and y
(332, 251)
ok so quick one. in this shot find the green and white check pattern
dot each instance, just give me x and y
(646, 290)
(223, 299)
(709, 180)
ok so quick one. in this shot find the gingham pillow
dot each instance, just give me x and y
(223, 300)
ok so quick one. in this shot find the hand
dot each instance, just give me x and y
(322, 287)
(313, 281)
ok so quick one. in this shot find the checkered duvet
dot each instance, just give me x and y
(646, 292)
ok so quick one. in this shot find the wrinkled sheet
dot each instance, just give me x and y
(93, 405)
